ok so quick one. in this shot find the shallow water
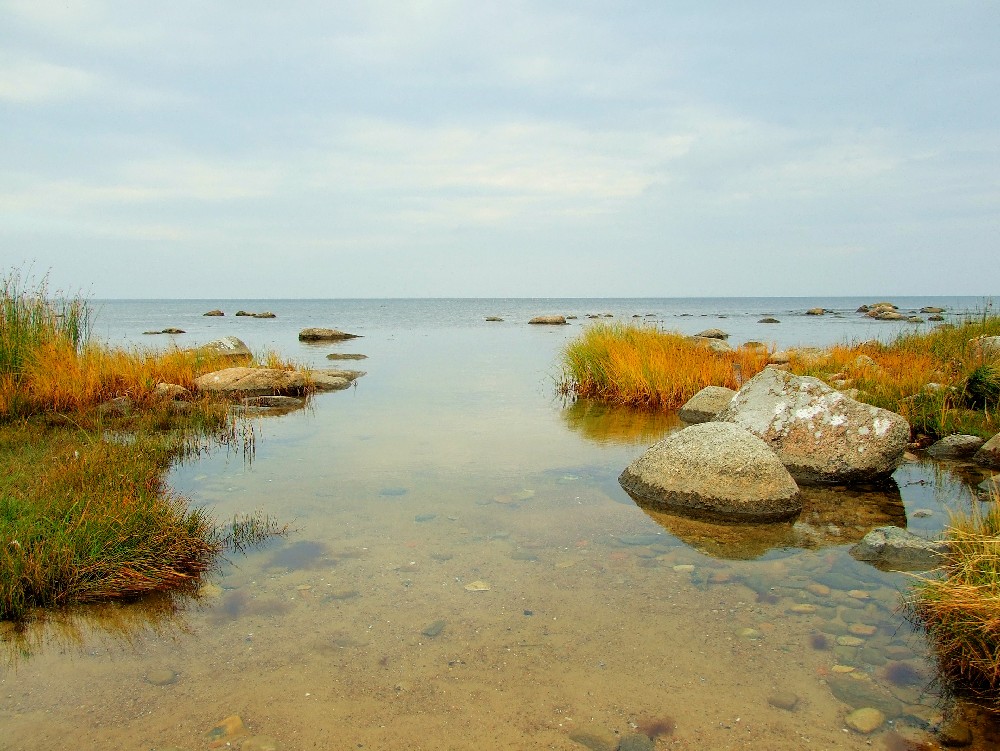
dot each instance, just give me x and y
(465, 572)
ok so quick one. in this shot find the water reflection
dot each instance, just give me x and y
(605, 423)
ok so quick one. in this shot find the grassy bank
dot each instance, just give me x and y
(84, 514)
(938, 380)
(961, 609)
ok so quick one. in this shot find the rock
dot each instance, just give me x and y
(782, 357)
(636, 742)
(215, 312)
(478, 586)
(885, 315)
(253, 382)
(955, 446)
(161, 677)
(713, 334)
(712, 343)
(225, 730)
(266, 314)
(494, 319)
(324, 335)
(914, 319)
(783, 700)
(282, 403)
(164, 331)
(816, 311)
(991, 485)
(595, 738)
(434, 629)
(242, 313)
(768, 319)
(259, 743)
(931, 309)
(170, 392)
(822, 436)
(227, 346)
(895, 549)
(989, 453)
(986, 346)
(706, 404)
(120, 405)
(936, 317)
(954, 733)
(324, 381)
(865, 720)
(860, 694)
(713, 469)
(549, 320)
(345, 356)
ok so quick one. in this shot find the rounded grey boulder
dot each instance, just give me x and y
(956, 446)
(714, 470)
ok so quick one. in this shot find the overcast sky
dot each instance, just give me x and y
(538, 148)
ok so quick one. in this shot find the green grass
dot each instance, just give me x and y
(84, 512)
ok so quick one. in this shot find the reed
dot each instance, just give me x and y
(644, 367)
(960, 609)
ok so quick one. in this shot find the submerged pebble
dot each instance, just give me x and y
(865, 720)
(161, 677)
(783, 700)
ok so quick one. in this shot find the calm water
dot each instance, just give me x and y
(467, 573)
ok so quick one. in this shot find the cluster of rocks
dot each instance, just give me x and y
(779, 430)
(245, 314)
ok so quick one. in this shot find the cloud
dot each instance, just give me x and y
(36, 82)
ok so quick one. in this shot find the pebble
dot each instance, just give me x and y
(683, 568)
(849, 641)
(922, 513)
(865, 720)
(565, 564)
(636, 742)
(477, 586)
(862, 629)
(820, 590)
(209, 590)
(225, 730)
(749, 633)
(343, 594)
(434, 629)
(858, 594)
(843, 668)
(783, 700)
(595, 738)
(802, 609)
(161, 677)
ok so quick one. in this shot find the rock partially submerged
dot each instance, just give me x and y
(706, 404)
(346, 356)
(895, 549)
(989, 453)
(254, 382)
(548, 320)
(956, 446)
(215, 312)
(228, 346)
(821, 435)
(715, 470)
(324, 335)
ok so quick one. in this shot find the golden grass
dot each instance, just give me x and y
(642, 366)
(961, 609)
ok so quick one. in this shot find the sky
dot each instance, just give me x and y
(544, 148)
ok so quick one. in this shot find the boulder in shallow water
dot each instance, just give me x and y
(989, 453)
(715, 470)
(895, 549)
(228, 346)
(822, 436)
(956, 446)
(324, 335)
(548, 320)
(253, 382)
(706, 404)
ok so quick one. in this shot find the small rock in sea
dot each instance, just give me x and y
(215, 312)
(816, 311)
(768, 319)
(548, 320)
(803, 608)
(346, 356)
(494, 319)
(922, 513)
(862, 629)
(477, 586)
(713, 334)
(684, 568)
(820, 590)
(783, 700)
(161, 677)
(858, 594)
(865, 720)
(850, 641)
(434, 629)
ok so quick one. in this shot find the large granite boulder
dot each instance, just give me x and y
(324, 335)
(228, 346)
(548, 320)
(715, 470)
(706, 404)
(254, 382)
(989, 453)
(895, 549)
(821, 435)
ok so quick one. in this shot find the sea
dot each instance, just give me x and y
(463, 571)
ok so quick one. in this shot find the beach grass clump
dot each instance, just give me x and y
(645, 367)
(85, 520)
(960, 609)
